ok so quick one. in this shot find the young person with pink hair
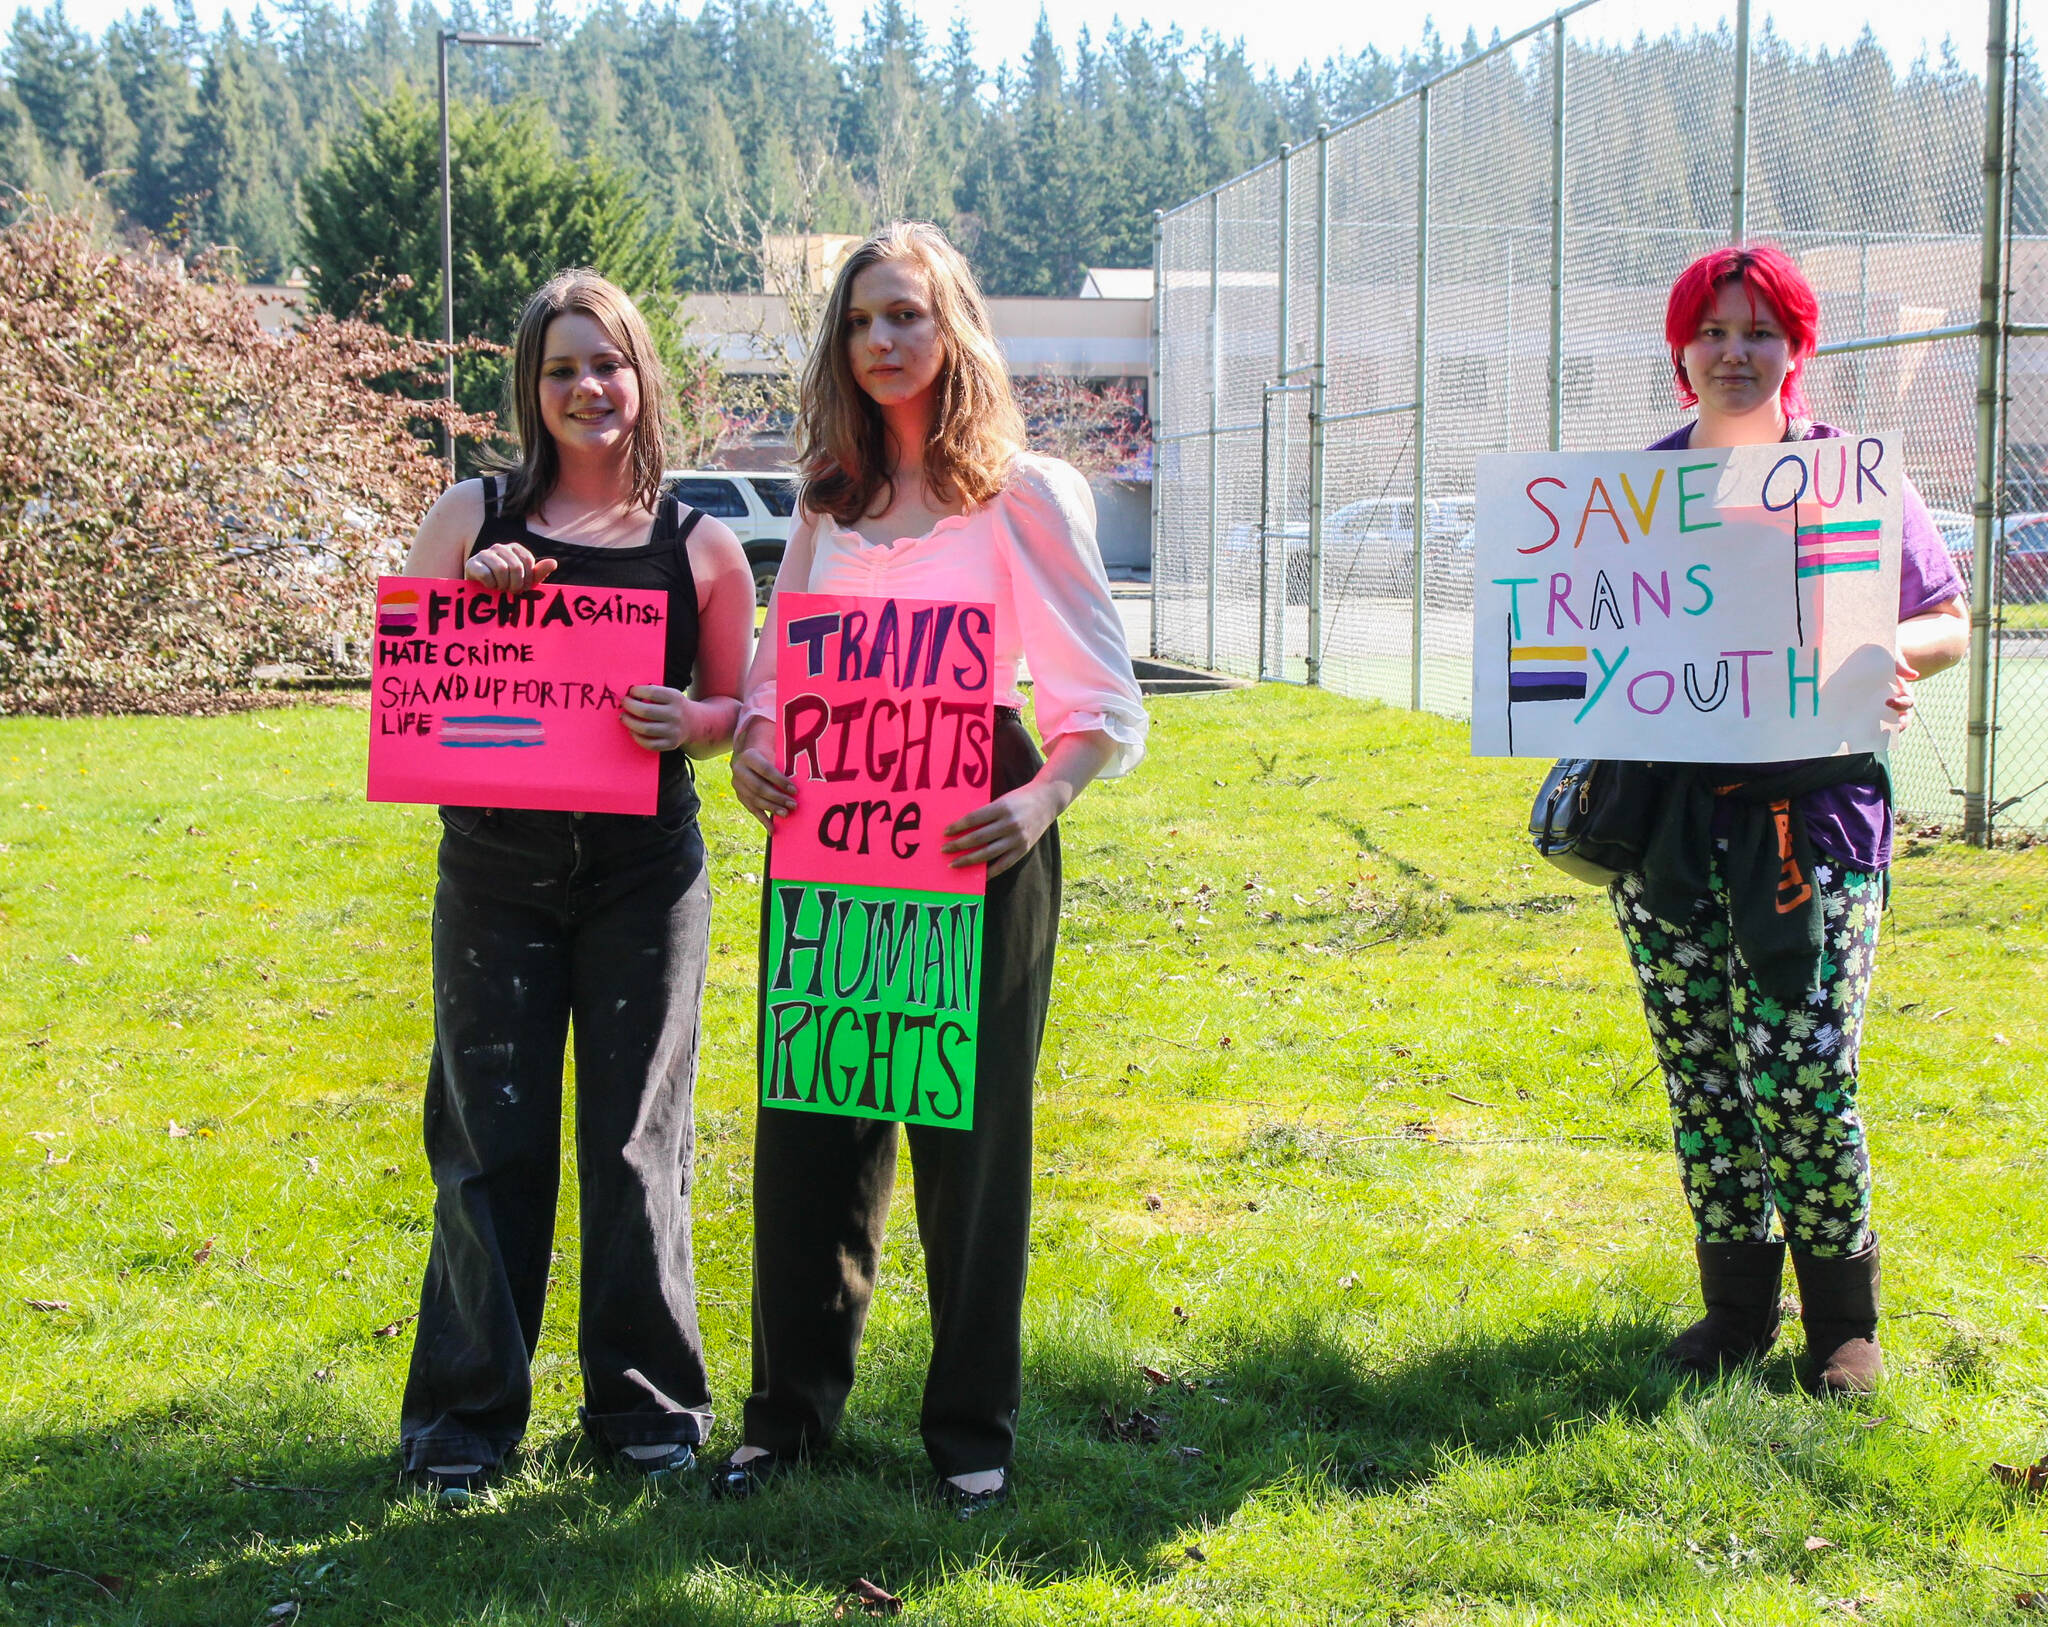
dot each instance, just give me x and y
(1756, 1005)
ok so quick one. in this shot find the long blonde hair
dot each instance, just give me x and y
(976, 428)
(533, 477)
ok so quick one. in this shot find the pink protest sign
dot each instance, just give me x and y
(886, 725)
(512, 700)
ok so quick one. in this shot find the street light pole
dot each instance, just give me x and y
(446, 38)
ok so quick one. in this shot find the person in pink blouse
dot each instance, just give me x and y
(916, 485)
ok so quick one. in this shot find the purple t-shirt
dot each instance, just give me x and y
(1853, 823)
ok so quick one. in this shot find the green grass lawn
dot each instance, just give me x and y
(1346, 1131)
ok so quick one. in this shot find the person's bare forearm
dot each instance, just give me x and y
(713, 719)
(1072, 765)
(1936, 641)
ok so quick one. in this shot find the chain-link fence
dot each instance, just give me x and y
(1481, 266)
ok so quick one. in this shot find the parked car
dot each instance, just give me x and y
(2025, 578)
(1368, 549)
(1237, 559)
(1370, 546)
(759, 505)
(2026, 551)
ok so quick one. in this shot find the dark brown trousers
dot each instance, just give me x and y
(822, 1186)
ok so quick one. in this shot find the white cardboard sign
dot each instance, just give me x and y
(1726, 605)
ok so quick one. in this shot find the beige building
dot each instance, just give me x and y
(1100, 337)
(1094, 338)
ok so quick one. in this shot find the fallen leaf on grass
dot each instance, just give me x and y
(1815, 1544)
(2030, 1601)
(242, 1484)
(2031, 1478)
(866, 1597)
(203, 1253)
(112, 1586)
(1187, 1454)
(47, 1304)
(391, 1330)
(1139, 1429)
(1153, 1376)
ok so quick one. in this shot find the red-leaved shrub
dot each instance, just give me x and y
(185, 498)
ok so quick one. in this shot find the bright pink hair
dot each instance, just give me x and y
(1769, 275)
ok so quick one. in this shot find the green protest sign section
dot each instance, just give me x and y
(871, 950)
(870, 1002)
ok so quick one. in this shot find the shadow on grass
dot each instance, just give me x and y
(1295, 1407)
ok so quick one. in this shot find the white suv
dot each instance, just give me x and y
(759, 505)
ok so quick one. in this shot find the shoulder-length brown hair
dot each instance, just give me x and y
(530, 481)
(976, 429)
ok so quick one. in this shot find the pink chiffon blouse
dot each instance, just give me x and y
(1031, 552)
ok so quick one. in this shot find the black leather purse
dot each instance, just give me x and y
(1592, 817)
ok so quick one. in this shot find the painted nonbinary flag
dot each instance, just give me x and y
(1838, 545)
(1539, 672)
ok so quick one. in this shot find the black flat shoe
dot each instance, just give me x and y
(734, 1481)
(451, 1488)
(674, 1461)
(966, 1504)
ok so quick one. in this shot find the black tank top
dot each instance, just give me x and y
(661, 563)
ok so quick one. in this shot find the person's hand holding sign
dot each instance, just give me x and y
(764, 790)
(508, 567)
(1929, 642)
(659, 718)
(1900, 700)
(1002, 832)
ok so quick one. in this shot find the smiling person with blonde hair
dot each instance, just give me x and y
(916, 485)
(543, 920)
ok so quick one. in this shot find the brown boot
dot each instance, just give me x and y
(1838, 1303)
(1739, 1283)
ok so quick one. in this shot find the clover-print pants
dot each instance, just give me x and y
(1763, 1096)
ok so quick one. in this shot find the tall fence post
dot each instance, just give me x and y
(1284, 317)
(1557, 235)
(1153, 412)
(1738, 168)
(1317, 405)
(1421, 396)
(1215, 395)
(1990, 325)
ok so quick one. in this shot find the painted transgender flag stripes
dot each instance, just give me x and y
(1838, 545)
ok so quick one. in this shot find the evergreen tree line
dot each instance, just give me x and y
(666, 143)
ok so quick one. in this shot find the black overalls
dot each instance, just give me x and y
(542, 920)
